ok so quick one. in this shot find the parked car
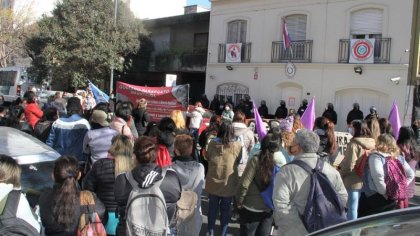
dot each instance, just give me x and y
(35, 157)
(397, 222)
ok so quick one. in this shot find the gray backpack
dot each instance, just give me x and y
(146, 210)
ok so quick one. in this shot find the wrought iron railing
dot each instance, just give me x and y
(382, 51)
(300, 51)
(245, 53)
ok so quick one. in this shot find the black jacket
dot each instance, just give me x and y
(354, 115)
(141, 118)
(170, 187)
(331, 115)
(281, 112)
(263, 110)
(51, 226)
(100, 180)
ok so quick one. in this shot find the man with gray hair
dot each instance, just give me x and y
(292, 184)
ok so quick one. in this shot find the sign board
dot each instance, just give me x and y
(233, 52)
(170, 80)
(160, 100)
(342, 139)
(362, 50)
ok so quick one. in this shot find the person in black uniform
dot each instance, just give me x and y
(354, 114)
(330, 114)
(303, 107)
(281, 111)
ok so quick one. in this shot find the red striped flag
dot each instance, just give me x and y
(287, 42)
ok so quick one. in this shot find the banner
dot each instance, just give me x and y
(308, 117)
(361, 50)
(160, 100)
(233, 52)
(342, 138)
(99, 95)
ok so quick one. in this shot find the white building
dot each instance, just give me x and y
(321, 33)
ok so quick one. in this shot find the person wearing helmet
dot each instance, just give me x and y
(354, 114)
(263, 109)
(281, 111)
(303, 107)
(330, 113)
(372, 114)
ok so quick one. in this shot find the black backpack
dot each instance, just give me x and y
(323, 207)
(9, 223)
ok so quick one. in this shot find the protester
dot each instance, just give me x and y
(4, 112)
(361, 143)
(411, 152)
(60, 103)
(330, 113)
(16, 119)
(145, 174)
(245, 136)
(374, 127)
(354, 114)
(281, 112)
(215, 105)
(196, 120)
(165, 141)
(67, 134)
(292, 185)
(178, 117)
(123, 117)
(374, 198)
(263, 109)
(222, 155)
(141, 116)
(191, 175)
(60, 208)
(32, 111)
(227, 114)
(43, 127)
(10, 173)
(89, 103)
(281, 156)
(303, 107)
(206, 136)
(287, 136)
(101, 178)
(328, 148)
(97, 141)
(385, 126)
(205, 101)
(297, 123)
(256, 217)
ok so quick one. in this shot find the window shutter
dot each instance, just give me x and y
(366, 21)
(296, 25)
(236, 31)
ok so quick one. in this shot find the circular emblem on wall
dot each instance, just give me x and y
(290, 70)
(362, 49)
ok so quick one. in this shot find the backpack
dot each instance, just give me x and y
(9, 223)
(89, 224)
(395, 179)
(267, 193)
(244, 152)
(146, 209)
(186, 206)
(323, 207)
(360, 166)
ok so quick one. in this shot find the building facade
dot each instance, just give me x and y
(341, 52)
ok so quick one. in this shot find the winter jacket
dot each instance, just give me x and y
(355, 149)
(24, 211)
(97, 142)
(146, 175)
(66, 136)
(49, 222)
(281, 112)
(408, 153)
(100, 180)
(374, 181)
(227, 115)
(196, 117)
(141, 118)
(263, 111)
(222, 175)
(33, 113)
(42, 130)
(354, 115)
(331, 115)
(248, 193)
(121, 126)
(242, 131)
(191, 175)
(291, 189)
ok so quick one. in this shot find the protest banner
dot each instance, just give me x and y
(342, 138)
(160, 100)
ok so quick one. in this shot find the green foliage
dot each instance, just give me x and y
(80, 42)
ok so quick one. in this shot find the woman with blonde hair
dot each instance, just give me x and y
(374, 127)
(180, 126)
(374, 197)
(10, 188)
(101, 178)
(141, 116)
(297, 123)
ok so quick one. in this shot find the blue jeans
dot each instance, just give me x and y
(216, 202)
(352, 203)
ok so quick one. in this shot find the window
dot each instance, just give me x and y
(296, 25)
(237, 31)
(200, 42)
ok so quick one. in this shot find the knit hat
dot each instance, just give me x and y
(286, 125)
(100, 117)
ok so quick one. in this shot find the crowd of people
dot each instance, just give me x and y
(111, 153)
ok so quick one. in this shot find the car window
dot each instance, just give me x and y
(36, 177)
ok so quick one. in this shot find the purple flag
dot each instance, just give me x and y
(394, 119)
(259, 125)
(308, 117)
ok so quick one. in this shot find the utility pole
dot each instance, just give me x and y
(111, 82)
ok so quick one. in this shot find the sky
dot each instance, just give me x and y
(201, 3)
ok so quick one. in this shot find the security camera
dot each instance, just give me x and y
(395, 79)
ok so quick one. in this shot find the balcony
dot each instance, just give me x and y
(381, 54)
(245, 53)
(301, 52)
(186, 61)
